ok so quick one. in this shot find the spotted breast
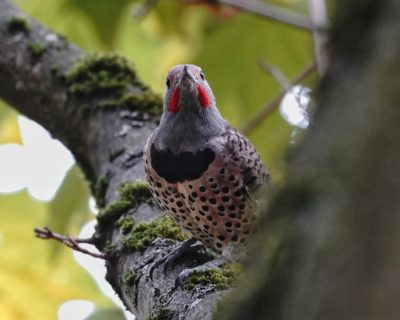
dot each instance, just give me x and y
(209, 192)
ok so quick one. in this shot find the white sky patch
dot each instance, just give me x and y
(93, 206)
(294, 107)
(97, 269)
(75, 309)
(39, 164)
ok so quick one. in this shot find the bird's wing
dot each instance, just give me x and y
(243, 154)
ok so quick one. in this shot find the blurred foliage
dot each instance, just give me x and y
(9, 130)
(226, 43)
(70, 206)
(30, 287)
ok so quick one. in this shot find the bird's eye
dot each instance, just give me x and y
(168, 83)
(202, 76)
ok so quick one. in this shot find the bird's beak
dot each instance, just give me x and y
(187, 80)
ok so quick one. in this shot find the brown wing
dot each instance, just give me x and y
(244, 155)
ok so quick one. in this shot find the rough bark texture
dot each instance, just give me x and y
(108, 145)
(330, 246)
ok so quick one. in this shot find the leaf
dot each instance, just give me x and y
(104, 14)
(9, 129)
(30, 288)
(69, 207)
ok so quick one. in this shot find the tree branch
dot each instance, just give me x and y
(105, 125)
(319, 17)
(271, 12)
(73, 243)
(265, 111)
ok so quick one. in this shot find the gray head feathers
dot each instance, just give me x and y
(190, 119)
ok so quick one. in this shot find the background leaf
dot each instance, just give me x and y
(69, 208)
(30, 288)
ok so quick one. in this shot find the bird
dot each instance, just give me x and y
(202, 171)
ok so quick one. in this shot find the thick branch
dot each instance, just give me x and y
(105, 127)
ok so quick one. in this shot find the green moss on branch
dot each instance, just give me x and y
(36, 50)
(131, 195)
(99, 190)
(127, 225)
(161, 314)
(130, 277)
(19, 24)
(144, 234)
(112, 82)
(221, 279)
(136, 192)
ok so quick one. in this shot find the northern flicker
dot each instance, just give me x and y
(202, 171)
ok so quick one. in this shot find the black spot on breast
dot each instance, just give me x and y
(180, 167)
(238, 193)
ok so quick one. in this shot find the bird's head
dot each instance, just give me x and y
(187, 89)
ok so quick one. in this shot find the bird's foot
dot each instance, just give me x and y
(210, 265)
(188, 246)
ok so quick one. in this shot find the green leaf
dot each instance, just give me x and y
(9, 129)
(30, 287)
(69, 208)
(105, 16)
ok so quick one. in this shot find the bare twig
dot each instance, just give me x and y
(73, 243)
(144, 8)
(275, 73)
(260, 116)
(271, 12)
(319, 18)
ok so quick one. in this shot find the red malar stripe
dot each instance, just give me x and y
(204, 98)
(174, 101)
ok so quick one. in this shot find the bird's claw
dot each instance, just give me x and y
(182, 276)
(169, 259)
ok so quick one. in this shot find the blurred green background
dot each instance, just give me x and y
(37, 276)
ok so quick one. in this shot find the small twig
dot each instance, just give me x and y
(271, 12)
(275, 73)
(260, 116)
(319, 17)
(73, 243)
(144, 8)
